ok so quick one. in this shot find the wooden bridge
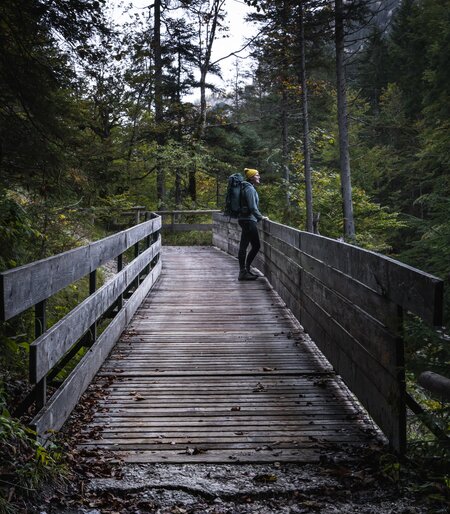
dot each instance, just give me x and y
(209, 369)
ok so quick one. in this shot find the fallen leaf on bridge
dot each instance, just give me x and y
(265, 478)
(194, 451)
(258, 388)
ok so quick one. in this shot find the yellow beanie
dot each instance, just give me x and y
(249, 172)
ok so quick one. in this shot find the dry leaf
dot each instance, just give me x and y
(265, 478)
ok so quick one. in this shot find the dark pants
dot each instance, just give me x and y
(249, 236)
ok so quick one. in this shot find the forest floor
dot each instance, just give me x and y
(369, 481)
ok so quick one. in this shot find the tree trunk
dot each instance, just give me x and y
(160, 179)
(205, 61)
(284, 144)
(284, 109)
(213, 18)
(202, 121)
(178, 187)
(192, 186)
(309, 225)
(346, 186)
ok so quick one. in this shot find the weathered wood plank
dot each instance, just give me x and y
(379, 307)
(187, 227)
(378, 391)
(415, 290)
(218, 456)
(184, 372)
(25, 286)
(55, 413)
(48, 349)
(371, 336)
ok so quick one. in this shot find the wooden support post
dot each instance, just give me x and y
(92, 289)
(40, 325)
(400, 444)
(148, 243)
(65, 360)
(136, 255)
(119, 268)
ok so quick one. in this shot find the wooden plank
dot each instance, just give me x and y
(106, 249)
(218, 456)
(379, 307)
(380, 393)
(27, 285)
(287, 234)
(415, 290)
(187, 227)
(49, 348)
(138, 232)
(370, 334)
(55, 413)
(197, 212)
(183, 373)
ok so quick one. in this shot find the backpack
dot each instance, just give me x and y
(233, 198)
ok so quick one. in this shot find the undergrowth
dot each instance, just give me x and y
(25, 465)
(191, 238)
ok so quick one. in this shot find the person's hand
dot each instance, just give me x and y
(265, 218)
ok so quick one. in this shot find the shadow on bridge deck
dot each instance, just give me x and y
(216, 370)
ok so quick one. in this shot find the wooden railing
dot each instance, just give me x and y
(33, 284)
(351, 301)
(177, 220)
(174, 221)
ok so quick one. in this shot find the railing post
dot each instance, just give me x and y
(119, 269)
(92, 289)
(148, 242)
(400, 445)
(40, 326)
(136, 255)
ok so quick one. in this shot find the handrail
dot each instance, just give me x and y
(33, 284)
(174, 225)
(351, 301)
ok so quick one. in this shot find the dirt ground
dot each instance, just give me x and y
(371, 486)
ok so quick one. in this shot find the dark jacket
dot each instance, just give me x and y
(250, 203)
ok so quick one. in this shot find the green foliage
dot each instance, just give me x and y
(17, 231)
(191, 238)
(25, 464)
(374, 223)
(80, 144)
(425, 348)
(111, 208)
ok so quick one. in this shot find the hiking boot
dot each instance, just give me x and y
(245, 275)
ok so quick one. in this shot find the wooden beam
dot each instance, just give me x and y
(28, 285)
(49, 348)
(55, 413)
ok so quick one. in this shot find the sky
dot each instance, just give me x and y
(239, 30)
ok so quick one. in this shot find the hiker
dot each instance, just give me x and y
(248, 218)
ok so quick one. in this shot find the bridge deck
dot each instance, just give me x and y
(216, 370)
